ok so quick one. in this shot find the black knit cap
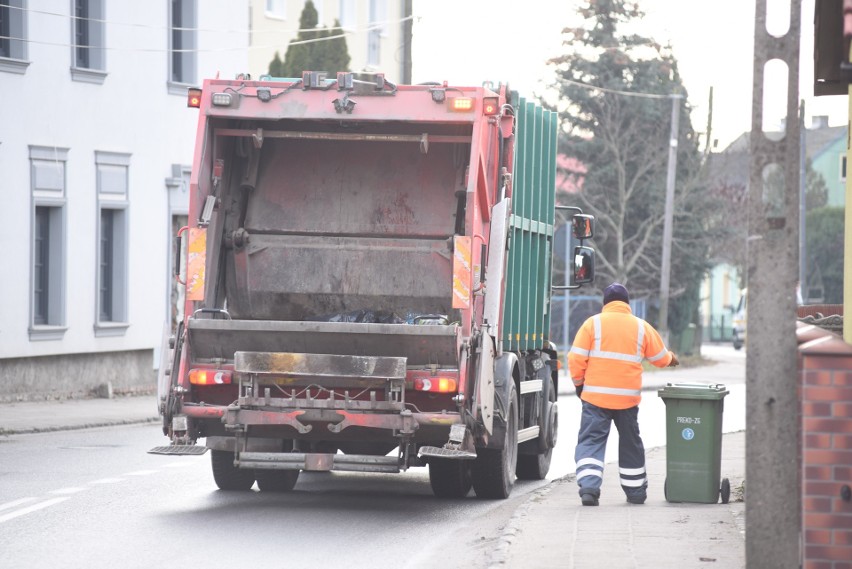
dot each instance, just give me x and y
(616, 291)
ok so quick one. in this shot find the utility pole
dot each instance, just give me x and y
(773, 495)
(665, 269)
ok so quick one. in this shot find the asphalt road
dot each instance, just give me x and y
(95, 499)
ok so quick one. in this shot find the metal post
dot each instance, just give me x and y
(666, 267)
(847, 249)
(803, 267)
(569, 270)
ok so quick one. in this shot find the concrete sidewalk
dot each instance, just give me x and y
(553, 530)
(67, 414)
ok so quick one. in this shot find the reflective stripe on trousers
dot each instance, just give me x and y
(591, 447)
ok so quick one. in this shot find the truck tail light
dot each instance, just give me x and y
(193, 97)
(209, 377)
(460, 104)
(436, 384)
(490, 106)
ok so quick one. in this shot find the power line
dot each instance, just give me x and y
(378, 24)
(613, 91)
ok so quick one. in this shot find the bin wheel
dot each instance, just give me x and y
(725, 490)
(666, 489)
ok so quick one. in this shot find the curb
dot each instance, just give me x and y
(500, 554)
(119, 422)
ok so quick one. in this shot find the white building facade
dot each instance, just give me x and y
(96, 143)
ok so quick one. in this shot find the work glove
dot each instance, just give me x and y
(579, 389)
(675, 362)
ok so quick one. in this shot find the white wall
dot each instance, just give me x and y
(131, 112)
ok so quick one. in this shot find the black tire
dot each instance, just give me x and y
(276, 480)
(449, 478)
(536, 466)
(493, 470)
(725, 491)
(228, 476)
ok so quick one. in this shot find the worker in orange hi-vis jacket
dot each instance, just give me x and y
(605, 363)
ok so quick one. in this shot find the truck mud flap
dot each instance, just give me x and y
(319, 462)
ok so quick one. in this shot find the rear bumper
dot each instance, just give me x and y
(304, 421)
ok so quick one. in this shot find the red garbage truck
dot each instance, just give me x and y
(368, 281)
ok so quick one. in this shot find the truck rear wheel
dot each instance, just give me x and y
(536, 466)
(276, 480)
(226, 475)
(493, 471)
(449, 478)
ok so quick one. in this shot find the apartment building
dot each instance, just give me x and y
(96, 144)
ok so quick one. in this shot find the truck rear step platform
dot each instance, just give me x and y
(179, 450)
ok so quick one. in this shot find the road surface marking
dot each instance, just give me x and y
(107, 481)
(140, 473)
(31, 509)
(67, 491)
(14, 503)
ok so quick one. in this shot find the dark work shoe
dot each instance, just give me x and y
(636, 499)
(589, 499)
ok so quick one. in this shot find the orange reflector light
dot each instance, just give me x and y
(490, 106)
(193, 97)
(460, 104)
(209, 377)
(436, 384)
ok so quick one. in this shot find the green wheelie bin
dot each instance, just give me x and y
(694, 443)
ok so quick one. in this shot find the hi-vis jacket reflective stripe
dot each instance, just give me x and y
(606, 357)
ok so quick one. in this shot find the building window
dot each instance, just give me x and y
(377, 29)
(88, 34)
(348, 14)
(182, 61)
(112, 180)
(13, 45)
(41, 265)
(276, 9)
(47, 291)
(88, 49)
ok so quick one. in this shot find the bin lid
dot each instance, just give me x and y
(693, 391)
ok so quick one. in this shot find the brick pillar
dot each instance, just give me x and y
(826, 379)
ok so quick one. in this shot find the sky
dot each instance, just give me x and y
(508, 40)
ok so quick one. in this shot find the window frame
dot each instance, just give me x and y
(275, 9)
(13, 52)
(348, 15)
(113, 179)
(91, 26)
(183, 65)
(48, 185)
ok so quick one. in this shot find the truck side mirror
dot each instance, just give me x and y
(584, 265)
(582, 226)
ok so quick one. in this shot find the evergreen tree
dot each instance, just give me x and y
(623, 142)
(330, 55)
(825, 230)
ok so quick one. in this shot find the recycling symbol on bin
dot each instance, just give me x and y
(688, 434)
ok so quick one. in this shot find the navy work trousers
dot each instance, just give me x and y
(591, 445)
